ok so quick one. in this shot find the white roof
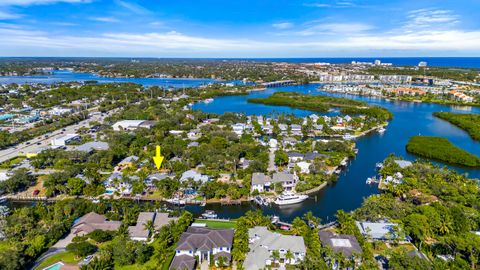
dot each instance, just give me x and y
(129, 123)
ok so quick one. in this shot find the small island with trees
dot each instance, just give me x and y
(441, 149)
(468, 122)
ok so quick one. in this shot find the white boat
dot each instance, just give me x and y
(208, 100)
(209, 214)
(176, 201)
(381, 130)
(290, 198)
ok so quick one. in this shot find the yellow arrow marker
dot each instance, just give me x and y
(158, 158)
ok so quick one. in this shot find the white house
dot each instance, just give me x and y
(263, 242)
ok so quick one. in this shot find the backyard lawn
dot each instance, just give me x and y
(66, 257)
(215, 224)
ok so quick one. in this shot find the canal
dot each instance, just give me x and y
(348, 193)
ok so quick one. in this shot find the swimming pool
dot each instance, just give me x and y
(55, 266)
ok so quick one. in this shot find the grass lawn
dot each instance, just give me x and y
(214, 224)
(151, 264)
(66, 257)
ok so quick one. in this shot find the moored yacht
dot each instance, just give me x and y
(290, 198)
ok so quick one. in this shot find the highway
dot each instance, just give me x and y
(42, 142)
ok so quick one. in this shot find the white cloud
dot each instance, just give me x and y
(133, 7)
(8, 15)
(428, 18)
(38, 2)
(104, 19)
(283, 25)
(353, 28)
(334, 4)
(19, 42)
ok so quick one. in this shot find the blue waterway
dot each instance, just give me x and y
(409, 119)
(68, 76)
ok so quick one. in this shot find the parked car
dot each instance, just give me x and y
(35, 192)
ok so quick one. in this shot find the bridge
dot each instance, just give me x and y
(278, 83)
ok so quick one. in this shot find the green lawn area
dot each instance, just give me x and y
(66, 257)
(151, 264)
(214, 224)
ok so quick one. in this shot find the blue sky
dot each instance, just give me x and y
(261, 28)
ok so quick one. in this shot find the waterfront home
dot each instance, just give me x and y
(382, 231)
(296, 129)
(91, 222)
(263, 243)
(459, 96)
(203, 244)
(287, 180)
(402, 91)
(115, 183)
(283, 128)
(403, 163)
(150, 180)
(195, 176)
(260, 182)
(345, 244)
(140, 231)
(304, 166)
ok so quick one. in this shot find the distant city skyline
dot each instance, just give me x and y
(236, 29)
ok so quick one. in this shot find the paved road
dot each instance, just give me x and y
(271, 160)
(42, 142)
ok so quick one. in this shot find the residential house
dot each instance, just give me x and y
(263, 242)
(383, 231)
(91, 146)
(402, 91)
(129, 125)
(345, 244)
(459, 96)
(287, 180)
(91, 222)
(260, 182)
(115, 183)
(127, 162)
(140, 232)
(149, 181)
(403, 163)
(196, 176)
(296, 129)
(204, 244)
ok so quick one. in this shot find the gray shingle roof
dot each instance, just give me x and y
(205, 239)
(282, 177)
(183, 262)
(260, 178)
(345, 244)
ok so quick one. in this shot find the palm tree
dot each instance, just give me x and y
(275, 256)
(289, 256)
(150, 227)
(311, 219)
